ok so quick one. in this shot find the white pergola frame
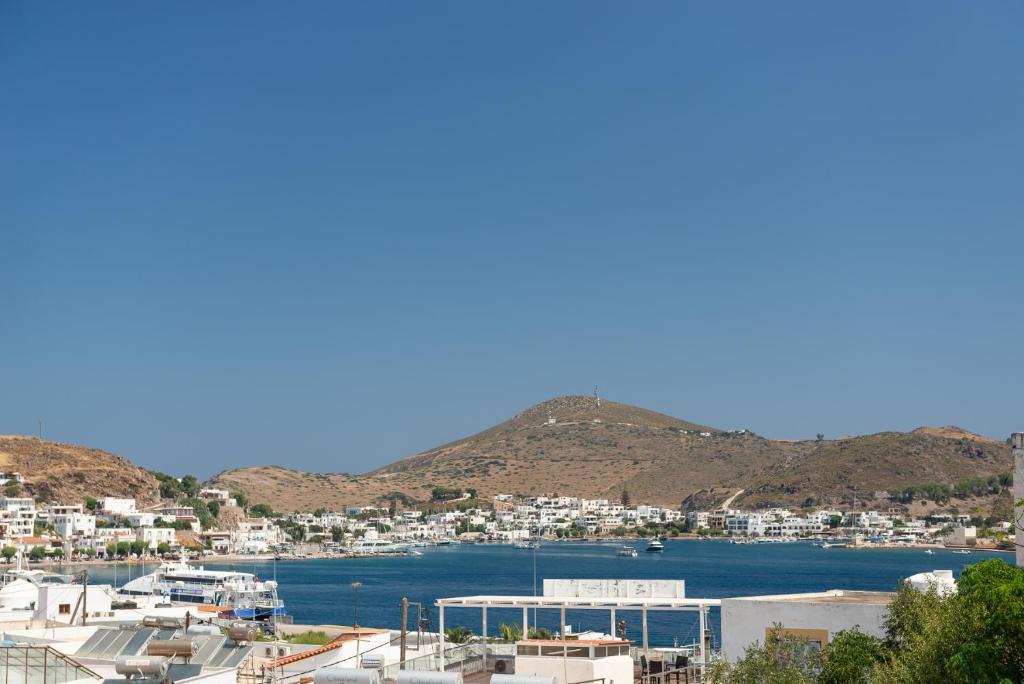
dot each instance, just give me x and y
(564, 603)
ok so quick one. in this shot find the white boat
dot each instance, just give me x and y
(655, 546)
(242, 594)
(929, 552)
(833, 545)
(372, 547)
(962, 552)
(627, 551)
(525, 545)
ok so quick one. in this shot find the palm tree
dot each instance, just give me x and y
(458, 635)
(510, 632)
(540, 633)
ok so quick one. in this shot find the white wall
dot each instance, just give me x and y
(613, 669)
(745, 620)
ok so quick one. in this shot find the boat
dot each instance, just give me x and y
(241, 594)
(655, 546)
(627, 551)
(929, 552)
(962, 552)
(413, 552)
(373, 547)
(525, 545)
(833, 545)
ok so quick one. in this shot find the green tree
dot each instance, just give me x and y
(90, 503)
(458, 635)
(973, 635)
(37, 553)
(539, 633)
(625, 497)
(90, 552)
(123, 548)
(851, 657)
(202, 511)
(111, 550)
(337, 534)
(241, 499)
(9, 552)
(782, 659)
(214, 508)
(139, 548)
(163, 547)
(190, 485)
(57, 552)
(261, 511)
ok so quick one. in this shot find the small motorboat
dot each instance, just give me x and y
(929, 552)
(627, 551)
(962, 552)
(655, 546)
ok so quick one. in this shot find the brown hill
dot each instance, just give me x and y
(67, 473)
(573, 446)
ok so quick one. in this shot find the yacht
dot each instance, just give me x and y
(627, 551)
(243, 594)
(655, 546)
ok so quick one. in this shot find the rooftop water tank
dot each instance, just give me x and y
(346, 675)
(426, 677)
(150, 667)
(180, 648)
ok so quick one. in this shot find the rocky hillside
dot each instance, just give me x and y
(67, 473)
(575, 446)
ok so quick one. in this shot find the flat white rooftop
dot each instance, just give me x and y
(578, 602)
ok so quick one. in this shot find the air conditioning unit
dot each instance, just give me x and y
(272, 651)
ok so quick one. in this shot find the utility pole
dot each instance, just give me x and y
(405, 633)
(40, 428)
(85, 595)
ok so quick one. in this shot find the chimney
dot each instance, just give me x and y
(1017, 445)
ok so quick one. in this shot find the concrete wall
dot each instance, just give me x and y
(746, 620)
(613, 669)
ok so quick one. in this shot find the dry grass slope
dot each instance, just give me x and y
(598, 451)
(70, 472)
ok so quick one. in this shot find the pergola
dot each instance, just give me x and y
(564, 603)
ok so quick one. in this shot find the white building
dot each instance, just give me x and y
(154, 536)
(815, 616)
(74, 524)
(19, 515)
(114, 506)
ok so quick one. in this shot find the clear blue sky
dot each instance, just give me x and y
(331, 234)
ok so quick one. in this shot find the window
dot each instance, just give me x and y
(64, 609)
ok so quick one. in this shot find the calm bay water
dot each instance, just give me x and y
(320, 592)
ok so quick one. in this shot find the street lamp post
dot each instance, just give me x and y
(355, 610)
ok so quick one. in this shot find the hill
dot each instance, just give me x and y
(67, 473)
(578, 446)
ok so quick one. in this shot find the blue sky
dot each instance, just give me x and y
(332, 234)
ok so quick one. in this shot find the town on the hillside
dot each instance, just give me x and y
(196, 521)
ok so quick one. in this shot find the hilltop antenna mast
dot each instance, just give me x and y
(597, 397)
(40, 428)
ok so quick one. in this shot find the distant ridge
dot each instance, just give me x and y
(570, 445)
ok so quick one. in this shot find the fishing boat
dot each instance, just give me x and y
(655, 546)
(241, 594)
(627, 551)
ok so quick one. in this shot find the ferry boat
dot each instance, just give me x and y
(655, 546)
(627, 551)
(241, 594)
